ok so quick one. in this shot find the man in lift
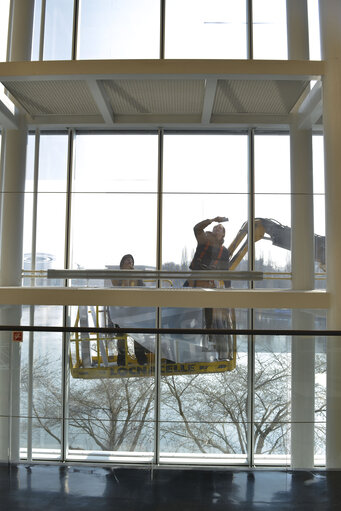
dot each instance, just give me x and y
(211, 254)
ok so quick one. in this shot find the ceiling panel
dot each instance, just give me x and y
(257, 96)
(53, 97)
(155, 96)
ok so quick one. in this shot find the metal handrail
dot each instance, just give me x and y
(155, 274)
(192, 331)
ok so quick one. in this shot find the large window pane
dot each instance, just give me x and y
(204, 176)
(272, 400)
(110, 409)
(314, 30)
(58, 30)
(200, 29)
(45, 374)
(111, 415)
(28, 205)
(119, 29)
(36, 30)
(114, 202)
(204, 413)
(52, 198)
(269, 29)
(319, 211)
(272, 207)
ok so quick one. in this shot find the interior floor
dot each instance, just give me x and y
(66, 487)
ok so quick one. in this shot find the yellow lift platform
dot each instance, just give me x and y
(94, 356)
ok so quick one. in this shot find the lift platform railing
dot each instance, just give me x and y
(155, 274)
(104, 355)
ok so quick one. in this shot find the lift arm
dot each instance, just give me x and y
(277, 233)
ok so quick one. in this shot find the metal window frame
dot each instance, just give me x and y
(251, 369)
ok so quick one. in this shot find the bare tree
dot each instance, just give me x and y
(199, 413)
(113, 414)
(209, 413)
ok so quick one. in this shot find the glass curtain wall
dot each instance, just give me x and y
(44, 247)
(114, 206)
(272, 209)
(150, 29)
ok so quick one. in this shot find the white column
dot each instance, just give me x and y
(12, 216)
(303, 348)
(297, 29)
(330, 23)
(302, 256)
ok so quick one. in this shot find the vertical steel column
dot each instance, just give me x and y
(162, 28)
(330, 24)
(66, 319)
(75, 29)
(249, 17)
(251, 265)
(32, 307)
(302, 257)
(158, 316)
(42, 30)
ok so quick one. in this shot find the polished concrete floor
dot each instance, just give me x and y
(51, 487)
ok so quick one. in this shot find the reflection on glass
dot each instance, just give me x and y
(119, 29)
(272, 319)
(206, 30)
(269, 24)
(272, 396)
(198, 353)
(58, 30)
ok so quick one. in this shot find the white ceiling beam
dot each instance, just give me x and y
(210, 91)
(311, 108)
(168, 69)
(154, 121)
(144, 297)
(101, 101)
